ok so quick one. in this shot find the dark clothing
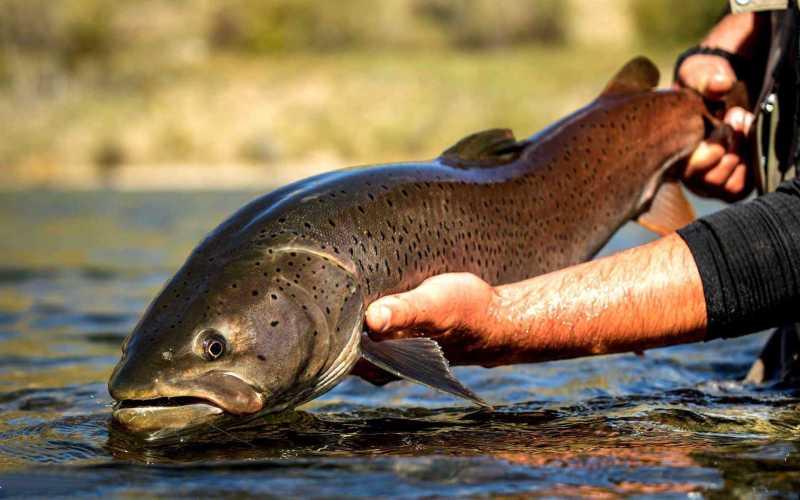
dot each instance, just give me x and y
(748, 255)
(749, 261)
(780, 359)
(775, 141)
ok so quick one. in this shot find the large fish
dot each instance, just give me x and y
(268, 311)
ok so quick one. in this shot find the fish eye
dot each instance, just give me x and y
(214, 345)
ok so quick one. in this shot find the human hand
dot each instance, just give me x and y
(711, 170)
(453, 309)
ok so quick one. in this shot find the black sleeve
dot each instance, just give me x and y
(748, 256)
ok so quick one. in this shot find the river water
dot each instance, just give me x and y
(76, 270)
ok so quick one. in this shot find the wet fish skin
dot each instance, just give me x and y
(287, 278)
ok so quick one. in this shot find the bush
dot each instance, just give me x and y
(668, 22)
(269, 25)
(70, 31)
(488, 23)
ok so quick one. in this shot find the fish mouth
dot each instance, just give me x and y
(163, 402)
(165, 414)
(185, 405)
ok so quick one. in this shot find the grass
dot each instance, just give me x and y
(292, 113)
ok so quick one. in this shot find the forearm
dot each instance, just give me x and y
(645, 297)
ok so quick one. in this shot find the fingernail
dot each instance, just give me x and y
(737, 118)
(382, 316)
(702, 85)
(748, 121)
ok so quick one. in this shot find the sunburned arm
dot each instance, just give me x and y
(645, 297)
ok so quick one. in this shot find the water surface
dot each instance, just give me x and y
(76, 270)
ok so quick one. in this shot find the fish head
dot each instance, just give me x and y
(256, 333)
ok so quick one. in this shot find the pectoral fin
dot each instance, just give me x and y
(419, 360)
(669, 210)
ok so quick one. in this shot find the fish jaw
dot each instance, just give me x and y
(152, 419)
(183, 404)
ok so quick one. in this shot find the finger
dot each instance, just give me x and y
(437, 305)
(722, 171)
(404, 310)
(739, 119)
(705, 156)
(710, 75)
(736, 186)
(719, 83)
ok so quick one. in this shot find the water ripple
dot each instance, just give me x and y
(673, 423)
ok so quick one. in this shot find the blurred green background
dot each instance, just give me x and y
(242, 93)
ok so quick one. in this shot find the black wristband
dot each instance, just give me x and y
(737, 62)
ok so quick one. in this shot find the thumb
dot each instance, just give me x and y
(719, 83)
(437, 305)
(710, 75)
(392, 313)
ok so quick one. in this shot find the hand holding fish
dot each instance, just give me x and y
(455, 309)
(712, 170)
(599, 307)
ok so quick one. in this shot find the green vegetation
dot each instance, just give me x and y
(667, 22)
(291, 84)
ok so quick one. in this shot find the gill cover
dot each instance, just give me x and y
(325, 289)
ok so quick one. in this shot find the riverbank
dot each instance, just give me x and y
(166, 177)
(230, 122)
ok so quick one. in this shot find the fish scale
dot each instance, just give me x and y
(281, 287)
(400, 224)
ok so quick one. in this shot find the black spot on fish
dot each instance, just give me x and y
(262, 357)
(273, 323)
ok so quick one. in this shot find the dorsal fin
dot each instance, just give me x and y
(488, 148)
(638, 75)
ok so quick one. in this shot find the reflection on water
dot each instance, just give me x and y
(76, 270)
